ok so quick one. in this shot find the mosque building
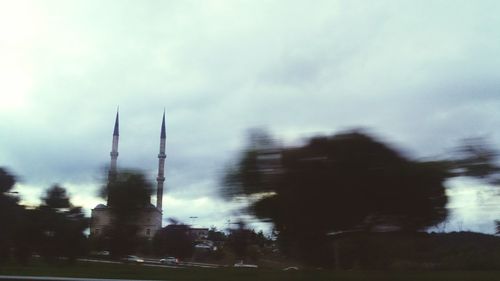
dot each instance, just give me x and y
(150, 218)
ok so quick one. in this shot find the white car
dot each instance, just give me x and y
(241, 264)
(103, 253)
(169, 260)
(203, 246)
(132, 259)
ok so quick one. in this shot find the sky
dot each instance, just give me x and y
(420, 75)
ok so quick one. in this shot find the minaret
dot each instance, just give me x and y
(114, 151)
(161, 165)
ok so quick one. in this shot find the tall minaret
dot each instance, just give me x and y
(161, 165)
(114, 151)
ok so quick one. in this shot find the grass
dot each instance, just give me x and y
(97, 270)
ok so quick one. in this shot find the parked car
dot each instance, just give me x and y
(170, 261)
(241, 264)
(132, 259)
(103, 253)
(203, 246)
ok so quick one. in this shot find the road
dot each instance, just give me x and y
(29, 278)
(156, 263)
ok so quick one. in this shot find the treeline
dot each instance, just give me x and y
(237, 244)
(54, 230)
(419, 251)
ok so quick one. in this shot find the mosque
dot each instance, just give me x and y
(150, 218)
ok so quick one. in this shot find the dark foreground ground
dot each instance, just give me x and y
(95, 270)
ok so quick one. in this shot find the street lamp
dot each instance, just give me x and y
(193, 218)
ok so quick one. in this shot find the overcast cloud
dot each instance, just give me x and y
(419, 74)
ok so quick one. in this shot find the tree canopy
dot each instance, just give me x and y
(7, 181)
(9, 212)
(174, 240)
(56, 198)
(128, 192)
(60, 225)
(53, 229)
(342, 182)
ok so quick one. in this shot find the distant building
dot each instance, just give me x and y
(199, 234)
(149, 219)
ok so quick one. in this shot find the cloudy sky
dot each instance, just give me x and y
(418, 74)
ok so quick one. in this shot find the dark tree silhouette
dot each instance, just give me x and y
(476, 158)
(245, 242)
(216, 235)
(239, 240)
(127, 194)
(344, 182)
(61, 225)
(9, 213)
(7, 181)
(174, 240)
(29, 235)
(56, 198)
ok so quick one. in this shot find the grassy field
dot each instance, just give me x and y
(94, 270)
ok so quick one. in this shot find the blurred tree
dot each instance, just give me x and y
(56, 198)
(337, 183)
(476, 158)
(9, 213)
(216, 235)
(62, 226)
(246, 243)
(174, 240)
(127, 194)
(7, 181)
(29, 235)
(239, 240)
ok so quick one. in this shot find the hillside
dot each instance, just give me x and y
(456, 250)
